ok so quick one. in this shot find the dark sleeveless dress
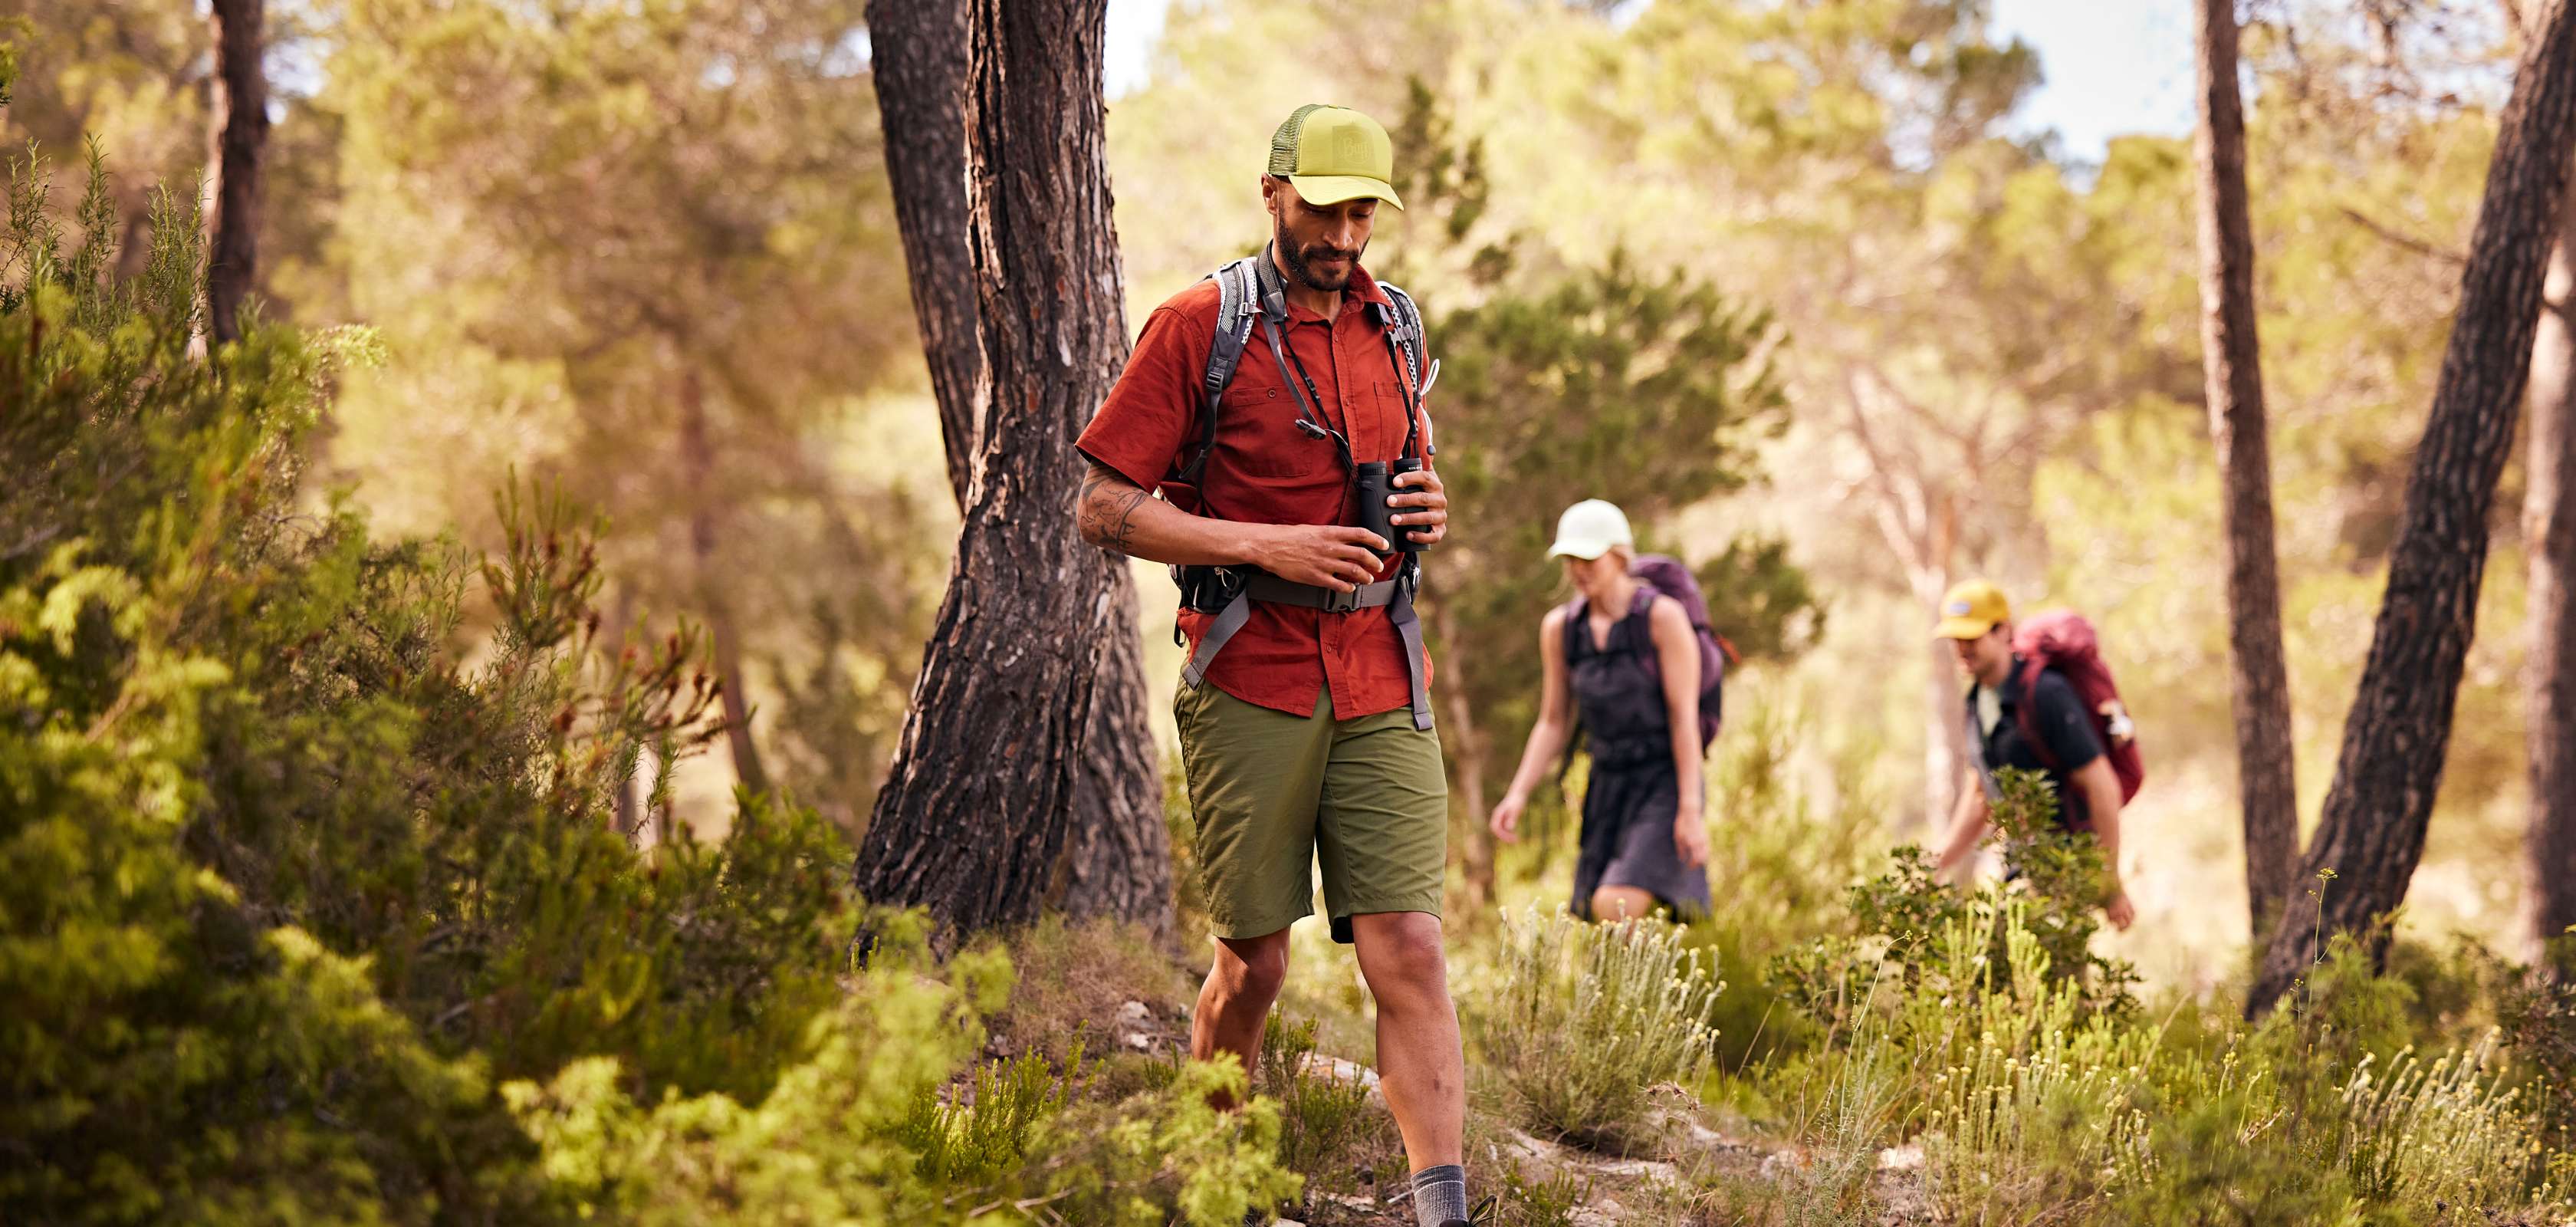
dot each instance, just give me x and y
(1634, 793)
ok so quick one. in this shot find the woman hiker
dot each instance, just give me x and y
(1627, 658)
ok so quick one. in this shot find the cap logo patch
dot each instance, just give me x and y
(1958, 608)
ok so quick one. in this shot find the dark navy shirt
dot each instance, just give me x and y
(2063, 726)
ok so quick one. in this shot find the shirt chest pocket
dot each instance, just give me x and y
(1257, 430)
(1394, 417)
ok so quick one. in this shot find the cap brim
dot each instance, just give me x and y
(1585, 550)
(1962, 628)
(1334, 189)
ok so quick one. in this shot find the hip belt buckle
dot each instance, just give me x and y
(1341, 602)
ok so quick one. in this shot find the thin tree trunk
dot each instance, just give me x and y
(697, 453)
(2549, 536)
(1476, 851)
(2231, 357)
(975, 814)
(917, 54)
(621, 624)
(2372, 833)
(1945, 736)
(239, 107)
(1117, 858)
(1946, 753)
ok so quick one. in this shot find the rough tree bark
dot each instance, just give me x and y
(975, 814)
(239, 131)
(1118, 859)
(2549, 536)
(698, 459)
(1117, 855)
(2231, 357)
(2372, 833)
(917, 56)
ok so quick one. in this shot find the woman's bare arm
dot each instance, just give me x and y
(1677, 659)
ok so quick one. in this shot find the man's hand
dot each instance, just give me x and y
(1690, 837)
(1506, 822)
(2119, 910)
(1324, 555)
(1422, 490)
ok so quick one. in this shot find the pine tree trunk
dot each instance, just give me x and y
(917, 54)
(1117, 856)
(975, 814)
(239, 106)
(715, 599)
(2232, 359)
(2372, 833)
(2549, 535)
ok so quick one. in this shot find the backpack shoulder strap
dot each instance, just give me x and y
(1408, 336)
(1237, 299)
(1578, 632)
(1640, 621)
(2026, 714)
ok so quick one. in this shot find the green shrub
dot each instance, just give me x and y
(1588, 1018)
(2430, 1135)
(1543, 1202)
(1324, 1119)
(1165, 1157)
(1906, 943)
(2033, 1110)
(973, 1137)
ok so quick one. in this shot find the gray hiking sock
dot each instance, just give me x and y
(1440, 1195)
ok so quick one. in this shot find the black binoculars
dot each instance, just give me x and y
(1375, 482)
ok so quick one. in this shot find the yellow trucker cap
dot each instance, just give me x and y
(1971, 609)
(1333, 154)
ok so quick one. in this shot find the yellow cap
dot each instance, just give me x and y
(1972, 608)
(1333, 154)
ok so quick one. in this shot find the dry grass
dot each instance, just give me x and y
(1074, 978)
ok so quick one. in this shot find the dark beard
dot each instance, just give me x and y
(1295, 259)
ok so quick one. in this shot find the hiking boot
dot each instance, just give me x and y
(1486, 1213)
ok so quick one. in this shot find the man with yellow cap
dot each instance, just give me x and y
(2057, 738)
(1276, 409)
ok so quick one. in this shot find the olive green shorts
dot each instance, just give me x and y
(1271, 791)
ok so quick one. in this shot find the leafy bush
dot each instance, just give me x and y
(1589, 1018)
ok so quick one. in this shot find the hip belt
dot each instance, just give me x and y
(1228, 592)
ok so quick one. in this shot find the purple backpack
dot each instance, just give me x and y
(1667, 575)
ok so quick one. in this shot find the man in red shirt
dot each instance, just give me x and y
(1305, 727)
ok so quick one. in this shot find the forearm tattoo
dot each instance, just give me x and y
(1106, 513)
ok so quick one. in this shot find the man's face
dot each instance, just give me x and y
(1319, 244)
(1987, 658)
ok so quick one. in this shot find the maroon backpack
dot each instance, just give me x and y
(1669, 577)
(2061, 639)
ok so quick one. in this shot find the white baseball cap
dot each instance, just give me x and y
(1590, 529)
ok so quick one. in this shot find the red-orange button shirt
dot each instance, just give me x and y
(1264, 470)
